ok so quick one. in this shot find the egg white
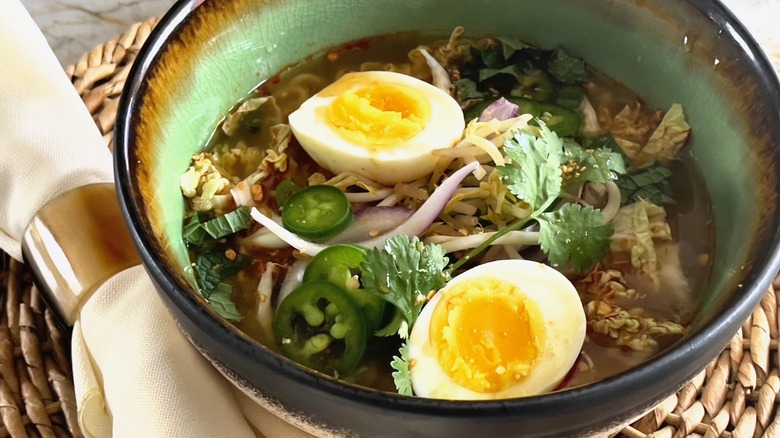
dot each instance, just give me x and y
(402, 162)
(564, 322)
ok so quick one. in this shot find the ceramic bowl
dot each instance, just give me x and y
(206, 55)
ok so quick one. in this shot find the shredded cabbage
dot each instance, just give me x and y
(649, 138)
(670, 136)
(639, 229)
(202, 182)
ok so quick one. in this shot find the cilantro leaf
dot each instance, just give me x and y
(575, 235)
(595, 165)
(572, 234)
(617, 162)
(534, 175)
(650, 183)
(394, 327)
(566, 68)
(401, 375)
(237, 220)
(404, 272)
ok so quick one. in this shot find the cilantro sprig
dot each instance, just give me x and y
(540, 169)
(535, 174)
(403, 273)
(574, 234)
(401, 374)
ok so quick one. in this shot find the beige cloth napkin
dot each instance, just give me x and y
(135, 374)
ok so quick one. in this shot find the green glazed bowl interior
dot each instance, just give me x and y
(206, 56)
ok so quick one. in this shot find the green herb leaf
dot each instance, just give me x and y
(490, 73)
(571, 234)
(401, 376)
(491, 58)
(566, 68)
(404, 272)
(467, 89)
(595, 165)
(393, 327)
(220, 300)
(650, 183)
(570, 96)
(511, 45)
(284, 190)
(206, 272)
(534, 175)
(603, 142)
(237, 220)
(193, 231)
(575, 235)
(222, 266)
(617, 162)
(210, 271)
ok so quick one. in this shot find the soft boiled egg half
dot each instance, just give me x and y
(504, 329)
(383, 125)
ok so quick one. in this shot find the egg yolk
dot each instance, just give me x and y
(486, 334)
(379, 115)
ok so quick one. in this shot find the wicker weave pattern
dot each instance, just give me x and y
(735, 396)
(36, 390)
(100, 75)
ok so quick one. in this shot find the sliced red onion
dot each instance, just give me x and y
(441, 79)
(264, 238)
(415, 225)
(370, 222)
(265, 312)
(613, 201)
(369, 196)
(429, 211)
(501, 109)
(292, 239)
(293, 278)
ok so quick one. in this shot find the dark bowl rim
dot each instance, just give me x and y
(714, 334)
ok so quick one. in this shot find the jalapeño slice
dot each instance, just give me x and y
(319, 325)
(317, 212)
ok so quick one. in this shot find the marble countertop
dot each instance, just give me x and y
(73, 27)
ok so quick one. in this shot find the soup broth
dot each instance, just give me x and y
(636, 297)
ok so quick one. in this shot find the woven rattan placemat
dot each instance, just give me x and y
(735, 396)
